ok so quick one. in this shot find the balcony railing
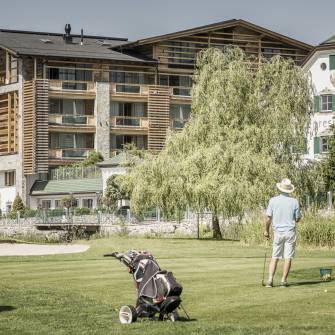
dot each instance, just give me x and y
(7, 80)
(129, 121)
(86, 120)
(71, 85)
(138, 89)
(71, 153)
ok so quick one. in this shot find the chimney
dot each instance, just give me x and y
(82, 37)
(67, 37)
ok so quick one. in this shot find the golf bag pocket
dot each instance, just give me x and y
(167, 285)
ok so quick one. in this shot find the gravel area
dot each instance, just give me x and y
(18, 249)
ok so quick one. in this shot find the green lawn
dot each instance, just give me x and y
(81, 293)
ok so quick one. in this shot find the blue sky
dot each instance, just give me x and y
(309, 21)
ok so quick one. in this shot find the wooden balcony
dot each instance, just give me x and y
(72, 86)
(70, 120)
(121, 89)
(70, 153)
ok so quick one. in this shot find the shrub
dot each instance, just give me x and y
(68, 201)
(29, 213)
(18, 206)
(315, 230)
(82, 211)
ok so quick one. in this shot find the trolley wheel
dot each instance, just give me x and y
(174, 316)
(127, 314)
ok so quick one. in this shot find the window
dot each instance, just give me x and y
(180, 114)
(72, 106)
(46, 204)
(71, 141)
(72, 73)
(326, 103)
(88, 203)
(324, 144)
(118, 141)
(10, 178)
(58, 204)
(129, 109)
(323, 66)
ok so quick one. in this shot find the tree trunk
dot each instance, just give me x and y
(216, 227)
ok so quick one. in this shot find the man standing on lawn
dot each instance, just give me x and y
(283, 211)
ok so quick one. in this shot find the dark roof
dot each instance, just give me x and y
(52, 44)
(60, 187)
(218, 25)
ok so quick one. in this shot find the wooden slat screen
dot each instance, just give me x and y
(36, 109)
(158, 115)
(8, 123)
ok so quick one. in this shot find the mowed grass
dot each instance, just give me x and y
(81, 293)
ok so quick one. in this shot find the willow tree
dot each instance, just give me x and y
(237, 144)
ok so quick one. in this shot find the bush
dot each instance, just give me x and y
(315, 230)
(29, 213)
(82, 211)
(68, 201)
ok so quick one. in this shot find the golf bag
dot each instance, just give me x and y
(158, 292)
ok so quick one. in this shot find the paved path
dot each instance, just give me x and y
(18, 249)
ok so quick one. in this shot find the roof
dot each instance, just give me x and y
(63, 187)
(218, 25)
(52, 44)
(330, 40)
(124, 159)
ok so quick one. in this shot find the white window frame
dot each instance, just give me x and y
(328, 103)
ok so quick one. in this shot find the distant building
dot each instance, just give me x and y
(320, 65)
(63, 95)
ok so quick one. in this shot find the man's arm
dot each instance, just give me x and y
(267, 227)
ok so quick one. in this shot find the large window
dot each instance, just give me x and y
(129, 109)
(71, 141)
(75, 73)
(123, 77)
(71, 106)
(88, 203)
(180, 114)
(326, 103)
(9, 178)
(119, 141)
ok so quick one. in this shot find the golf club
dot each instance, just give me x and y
(266, 250)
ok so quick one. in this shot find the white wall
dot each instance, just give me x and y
(321, 82)
(7, 194)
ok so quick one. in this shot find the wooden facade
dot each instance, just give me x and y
(9, 123)
(35, 128)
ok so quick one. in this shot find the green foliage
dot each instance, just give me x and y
(328, 164)
(68, 201)
(18, 206)
(317, 231)
(82, 211)
(93, 158)
(238, 143)
(113, 193)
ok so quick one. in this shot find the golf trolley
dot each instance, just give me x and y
(157, 290)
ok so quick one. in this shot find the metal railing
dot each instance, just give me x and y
(74, 172)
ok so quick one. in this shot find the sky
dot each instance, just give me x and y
(308, 21)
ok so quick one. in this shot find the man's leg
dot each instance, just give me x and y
(286, 270)
(272, 268)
